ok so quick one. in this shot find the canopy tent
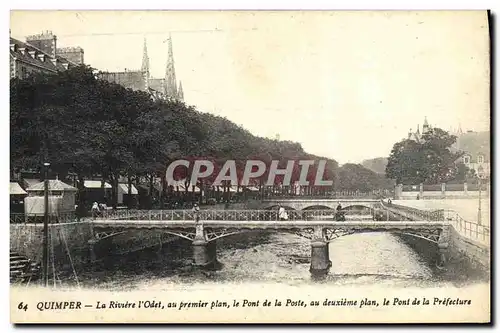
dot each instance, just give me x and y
(54, 185)
(95, 184)
(124, 189)
(252, 188)
(61, 198)
(30, 182)
(180, 186)
(16, 189)
(232, 189)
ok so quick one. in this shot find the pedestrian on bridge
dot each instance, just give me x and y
(196, 210)
(95, 210)
(282, 214)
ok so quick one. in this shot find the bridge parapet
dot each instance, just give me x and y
(468, 229)
(414, 213)
(301, 203)
(223, 215)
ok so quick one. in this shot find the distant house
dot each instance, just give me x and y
(476, 148)
(475, 145)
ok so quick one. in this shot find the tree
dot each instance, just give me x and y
(428, 161)
(94, 128)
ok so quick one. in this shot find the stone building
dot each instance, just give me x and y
(476, 148)
(141, 79)
(40, 54)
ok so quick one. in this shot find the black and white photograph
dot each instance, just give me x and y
(250, 166)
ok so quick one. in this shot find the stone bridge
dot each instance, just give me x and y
(304, 204)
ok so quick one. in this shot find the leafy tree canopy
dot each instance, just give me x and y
(429, 161)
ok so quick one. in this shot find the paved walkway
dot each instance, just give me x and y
(466, 208)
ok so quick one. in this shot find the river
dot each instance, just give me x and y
(378, 258)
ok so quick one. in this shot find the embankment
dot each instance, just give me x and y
(466, 260)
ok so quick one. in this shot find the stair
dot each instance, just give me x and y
(22, 269)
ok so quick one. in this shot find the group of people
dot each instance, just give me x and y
(98, 209)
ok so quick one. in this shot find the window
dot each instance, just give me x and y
(12, 68)
(24, 72)
(480, 159)
(466, 159)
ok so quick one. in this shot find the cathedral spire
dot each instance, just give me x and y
(180, 93)
(145, 64)
(170, 79)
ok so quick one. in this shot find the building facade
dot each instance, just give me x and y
(39, 54)
(141, 79)
(476, 148)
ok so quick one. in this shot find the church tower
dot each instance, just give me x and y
(425, 128)
(180, 93)
(145, 65)
(170, 79)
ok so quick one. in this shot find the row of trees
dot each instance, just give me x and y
(90, 127)
(431, 160)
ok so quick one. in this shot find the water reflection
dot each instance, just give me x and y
(360, 259)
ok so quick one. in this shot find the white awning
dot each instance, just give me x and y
(124, 189)
(95, 184)
(16, 189)
(181, 186)
(231, 189)
(252, 188)
(54, 185)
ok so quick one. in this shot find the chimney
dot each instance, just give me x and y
(45, 41)
(73, 54)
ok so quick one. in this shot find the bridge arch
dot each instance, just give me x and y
(276, 207)
(318, 207)
(430, 235)
(356, 207)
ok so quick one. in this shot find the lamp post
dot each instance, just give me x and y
(479, 207)
(46, 226)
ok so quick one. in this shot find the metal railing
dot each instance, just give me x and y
(468, 229)
(227, 215)
(415, 213)
(333, 196)
(188, 214)
(19, 218)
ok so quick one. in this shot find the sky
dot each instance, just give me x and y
(346, 85)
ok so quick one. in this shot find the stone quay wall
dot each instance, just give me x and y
(68, 242)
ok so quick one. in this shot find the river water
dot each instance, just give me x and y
(377, 258)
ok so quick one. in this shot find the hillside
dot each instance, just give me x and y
(376, 165)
